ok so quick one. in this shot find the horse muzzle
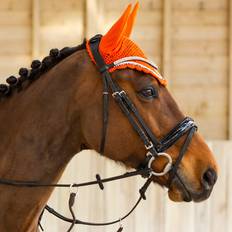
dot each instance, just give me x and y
(182, 190)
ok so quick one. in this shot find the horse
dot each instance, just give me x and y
(54, 110)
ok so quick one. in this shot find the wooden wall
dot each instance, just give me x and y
(15, 35)
(199, 62)
(189, 40)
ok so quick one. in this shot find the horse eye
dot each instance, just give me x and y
(149, 92)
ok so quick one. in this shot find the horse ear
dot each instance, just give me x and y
(114, 36)
(131, 20)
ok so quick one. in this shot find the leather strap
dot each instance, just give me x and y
(123, 101)
(105, 94)
(183, 150)
(150, 141)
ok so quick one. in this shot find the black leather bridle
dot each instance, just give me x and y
(154, 147)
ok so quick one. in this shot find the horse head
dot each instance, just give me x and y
(196, 173)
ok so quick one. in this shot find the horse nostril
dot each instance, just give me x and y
(209, 178)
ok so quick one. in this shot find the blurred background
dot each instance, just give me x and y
(191, 41)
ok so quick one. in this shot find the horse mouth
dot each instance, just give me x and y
(181, 190)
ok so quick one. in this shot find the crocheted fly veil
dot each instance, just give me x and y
(117, 48)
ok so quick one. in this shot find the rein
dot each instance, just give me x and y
(153, 146)
(100, 182)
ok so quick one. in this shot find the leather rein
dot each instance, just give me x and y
(154, 147)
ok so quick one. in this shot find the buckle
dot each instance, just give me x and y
(72, 188)
(103, 68)
(148, 147)
(114, 94)
(167, 167)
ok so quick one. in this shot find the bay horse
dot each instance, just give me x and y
(54, 110)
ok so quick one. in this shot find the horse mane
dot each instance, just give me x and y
(38, 68)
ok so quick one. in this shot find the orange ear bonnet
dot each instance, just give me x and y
(116, 47)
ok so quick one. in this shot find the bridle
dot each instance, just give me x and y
(154, 147)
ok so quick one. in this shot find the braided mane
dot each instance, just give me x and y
(37, 69)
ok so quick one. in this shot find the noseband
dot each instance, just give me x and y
(154, 147)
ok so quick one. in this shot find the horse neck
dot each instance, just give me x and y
(38, 138)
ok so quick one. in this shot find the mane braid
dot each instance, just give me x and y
(26, 76)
